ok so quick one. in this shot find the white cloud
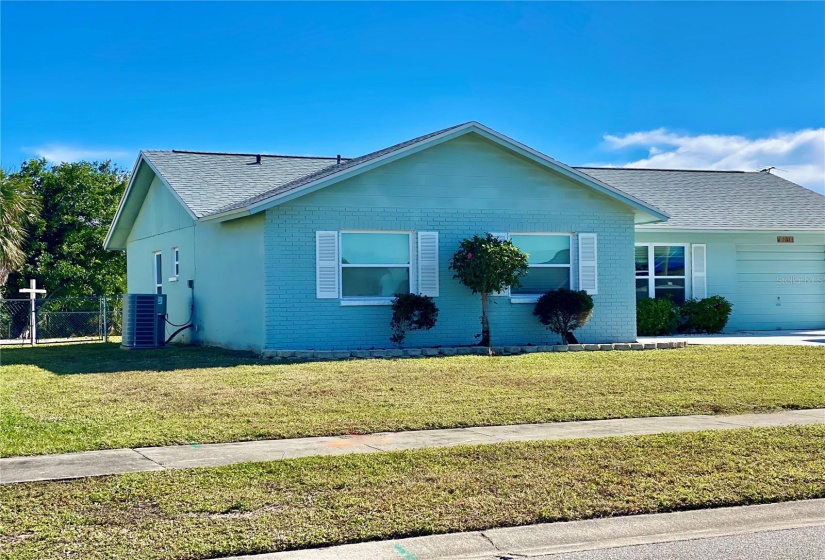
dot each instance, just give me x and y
(59, 153)
(800, 155)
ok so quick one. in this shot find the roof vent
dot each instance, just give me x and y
(258, 159)
(339, 160)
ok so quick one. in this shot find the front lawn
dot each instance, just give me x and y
(94, 396)
(263, 507)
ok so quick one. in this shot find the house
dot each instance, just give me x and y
(282, 252)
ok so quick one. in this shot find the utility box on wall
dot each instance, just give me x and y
(144, 321)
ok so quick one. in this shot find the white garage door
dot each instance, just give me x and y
(779, 286)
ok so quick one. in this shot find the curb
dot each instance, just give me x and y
(576, 536)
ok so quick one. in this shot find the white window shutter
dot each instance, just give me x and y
(503, 236)
(326, 264)
(428, 263)
(588, 265)
(698, 278)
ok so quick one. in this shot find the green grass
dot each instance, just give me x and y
(261, 507)
(94, 396)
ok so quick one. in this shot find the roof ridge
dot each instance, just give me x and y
(244, 154)
(660, 169)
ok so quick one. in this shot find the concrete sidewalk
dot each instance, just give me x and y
(117, 461)
(576, 536)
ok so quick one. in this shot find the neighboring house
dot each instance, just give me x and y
(306, 253)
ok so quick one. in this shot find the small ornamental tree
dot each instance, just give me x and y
(488, 265)
(563, 311)
(411, 312)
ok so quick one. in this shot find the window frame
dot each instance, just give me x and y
(374, 300)
(532, 298)
(651, 278)
(175, 264)
(157, 270)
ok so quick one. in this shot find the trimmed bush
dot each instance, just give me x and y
(709, 315)
(656, 317)
(563, 311)
(411, 312)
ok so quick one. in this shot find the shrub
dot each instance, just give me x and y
(411, 312)
(656, 317)
(709, 315)
(563, 311)
(487, 265)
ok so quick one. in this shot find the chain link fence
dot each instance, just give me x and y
(60, 319)
(15, 321)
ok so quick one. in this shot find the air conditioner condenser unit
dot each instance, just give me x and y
(144, 321)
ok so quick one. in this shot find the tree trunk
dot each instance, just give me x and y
(485, 324)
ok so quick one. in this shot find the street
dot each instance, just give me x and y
(807, 543)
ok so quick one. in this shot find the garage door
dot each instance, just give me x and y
(779, 287)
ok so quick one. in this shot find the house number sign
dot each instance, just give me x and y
(784, 238)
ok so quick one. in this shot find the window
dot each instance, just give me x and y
(175, 262)
(548, 259)
(375, 264)
(158, 273)
(661, 272)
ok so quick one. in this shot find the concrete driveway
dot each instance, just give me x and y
(815, 337)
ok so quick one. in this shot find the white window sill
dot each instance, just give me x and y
(173, 279)
(524, 299)
(365, 301)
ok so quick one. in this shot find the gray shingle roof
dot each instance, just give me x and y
(720, 199)
(208, 182)
(212, 183)
(320, 174)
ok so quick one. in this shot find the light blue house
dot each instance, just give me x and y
(306, 253)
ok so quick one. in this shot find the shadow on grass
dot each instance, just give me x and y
(71, 359)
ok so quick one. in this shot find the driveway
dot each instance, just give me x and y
(815, 337)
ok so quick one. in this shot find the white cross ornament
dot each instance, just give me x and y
(32, 290)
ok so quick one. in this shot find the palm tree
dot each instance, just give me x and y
(18, 205)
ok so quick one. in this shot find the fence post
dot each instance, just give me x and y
(33, 320)
(105, 326)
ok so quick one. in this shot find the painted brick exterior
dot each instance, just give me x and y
(457, 189)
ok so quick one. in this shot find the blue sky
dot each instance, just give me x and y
(710, 85)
